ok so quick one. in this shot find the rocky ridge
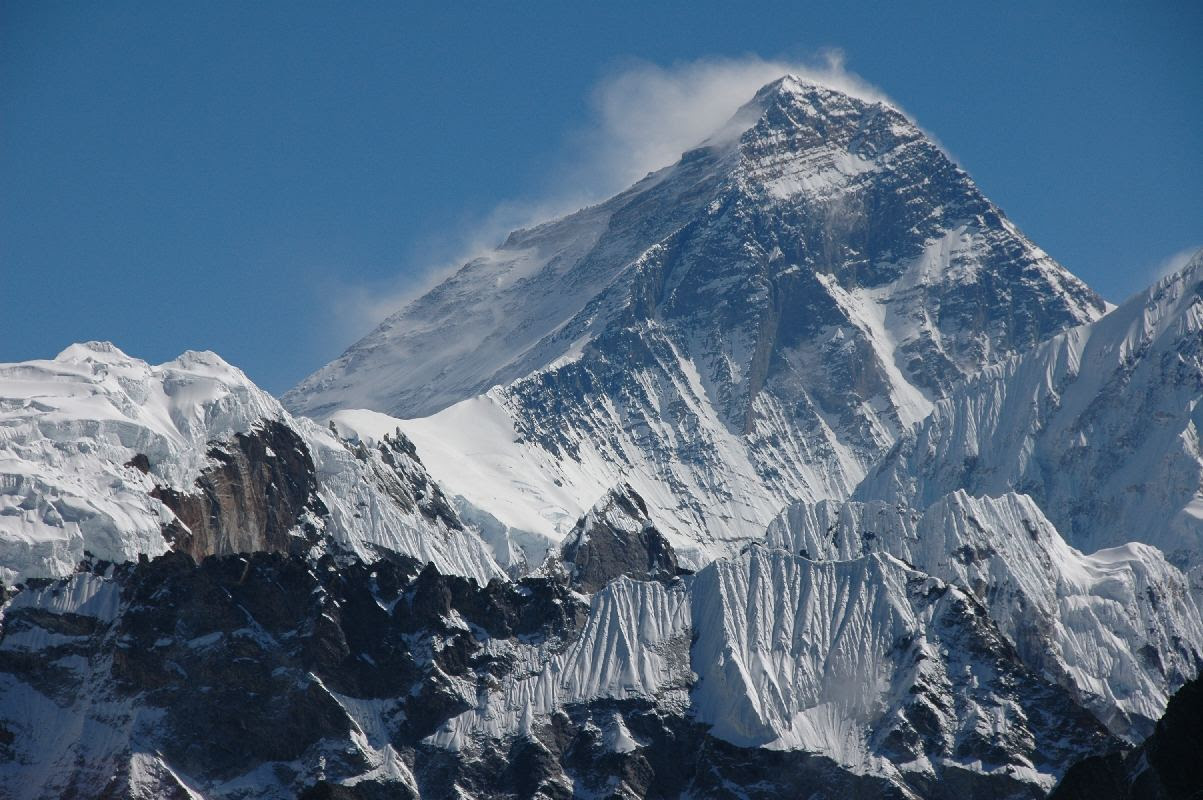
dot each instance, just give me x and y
(755, 324)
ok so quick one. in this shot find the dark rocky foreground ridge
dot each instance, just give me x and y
(267, 676)
(1168, 766)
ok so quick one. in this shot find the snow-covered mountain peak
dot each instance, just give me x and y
(818, 181)
(104, 356)
(105, 455)
(811, 97)
(1100, 425)
(1179, 294)
(92, 351)
(776, 310)
(87, 436)
(800, 137)
(621, 507)
(181, 404)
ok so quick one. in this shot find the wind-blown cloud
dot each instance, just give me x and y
(642, 116)
(1175, 263)
(646, 115)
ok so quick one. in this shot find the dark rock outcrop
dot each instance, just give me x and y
(255, 664)
(617, 538)
(401, 475)
(253, 499)
(1168, 766)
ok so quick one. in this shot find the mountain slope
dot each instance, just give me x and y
(1120, 628)
(1164, 767)
(1100, 425)
(754, 324)
(878, 667)
(408, 680)
(261, 677)
(103, 456)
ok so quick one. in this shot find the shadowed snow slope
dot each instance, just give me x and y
(1120, 627)
(1100, 426)
(752, 325)
(105, 456)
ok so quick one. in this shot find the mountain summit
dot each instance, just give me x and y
(775, 308)
(615, 549)
(807, 176)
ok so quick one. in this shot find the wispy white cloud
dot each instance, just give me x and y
(1174, 263)
(642, 116)
(645, 115)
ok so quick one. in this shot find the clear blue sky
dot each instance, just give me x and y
(216, 175)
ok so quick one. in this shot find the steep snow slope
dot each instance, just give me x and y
(883, 669)
(1119, 627)
(754, 324)
(1100, 425)
(99, 451)
(505, 313)
(432, 685)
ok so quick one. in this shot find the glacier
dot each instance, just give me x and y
(1100, 426)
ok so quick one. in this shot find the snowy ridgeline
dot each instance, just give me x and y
(840, 414)
(1100, 425)
(782, 630)
(753, 325)
(90, 440)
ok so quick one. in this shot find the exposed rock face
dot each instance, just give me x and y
(617, 538)
(404, 480)
(1165, 767)
(266, 676)
(247, 676)
(753, 325)
(255, 499)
